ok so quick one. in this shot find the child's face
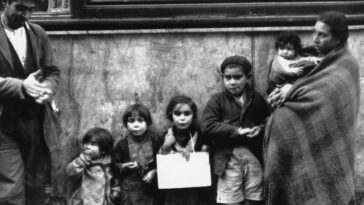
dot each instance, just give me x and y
(136, 125)
(91, 149)
(235, 80)
(182, 116)
(287, 51)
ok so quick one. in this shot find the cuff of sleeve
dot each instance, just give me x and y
(21, 90)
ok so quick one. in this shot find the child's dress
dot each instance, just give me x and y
(188, 141)
(133, 190)
(95, 181)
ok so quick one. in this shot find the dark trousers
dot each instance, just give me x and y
(24, 158)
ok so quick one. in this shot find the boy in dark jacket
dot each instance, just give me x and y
(234, 121)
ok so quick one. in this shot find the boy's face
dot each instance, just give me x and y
(235, 80)
(287, 51)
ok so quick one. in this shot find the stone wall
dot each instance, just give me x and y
(102, 73)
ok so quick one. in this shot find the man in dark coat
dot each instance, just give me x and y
(28, 80)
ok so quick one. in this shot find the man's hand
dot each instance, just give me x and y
(32, 86)
(46, 96)
(148, 178)
(40, 91)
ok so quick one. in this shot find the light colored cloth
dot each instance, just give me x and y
(242, 178)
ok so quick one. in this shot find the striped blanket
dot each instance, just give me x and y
(309, 153)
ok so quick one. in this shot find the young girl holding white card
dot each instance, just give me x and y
(184, 137)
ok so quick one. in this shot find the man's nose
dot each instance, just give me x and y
(315, 39)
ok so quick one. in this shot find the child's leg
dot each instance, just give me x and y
(253, 176)
(230, 183)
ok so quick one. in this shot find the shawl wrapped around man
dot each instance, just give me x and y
(309, 152)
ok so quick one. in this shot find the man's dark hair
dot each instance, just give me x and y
(286, 37)
(141, 110)
(338, 24)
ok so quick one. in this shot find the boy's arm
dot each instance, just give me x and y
(212, 125)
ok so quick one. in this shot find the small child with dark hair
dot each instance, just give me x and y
(93, 167)
(234, 121)
(290, 63)
(134, 160)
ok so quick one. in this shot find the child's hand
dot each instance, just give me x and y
(186, 155)
(91, 154)
(114, 195)
(169, 140)
(85, 158)
(205, 148)
(130, 165)
(243, 131)
(148, 178)
(296, 70)
(254, 132)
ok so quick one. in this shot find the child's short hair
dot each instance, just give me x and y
(237, 60)
(180, 99)
(288, 37)
(142, 111)
(102, 137)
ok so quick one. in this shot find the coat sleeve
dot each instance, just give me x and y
(11, 88)
(212, 124)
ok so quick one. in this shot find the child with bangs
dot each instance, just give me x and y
(93, 168)
(185, 137)
(134, 160)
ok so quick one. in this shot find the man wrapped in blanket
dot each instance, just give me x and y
(309, 152)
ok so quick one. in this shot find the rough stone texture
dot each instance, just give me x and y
(103, 74)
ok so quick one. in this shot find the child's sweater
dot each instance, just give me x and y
(95, 180)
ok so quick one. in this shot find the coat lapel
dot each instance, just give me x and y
(33, 43)
(4, 46)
